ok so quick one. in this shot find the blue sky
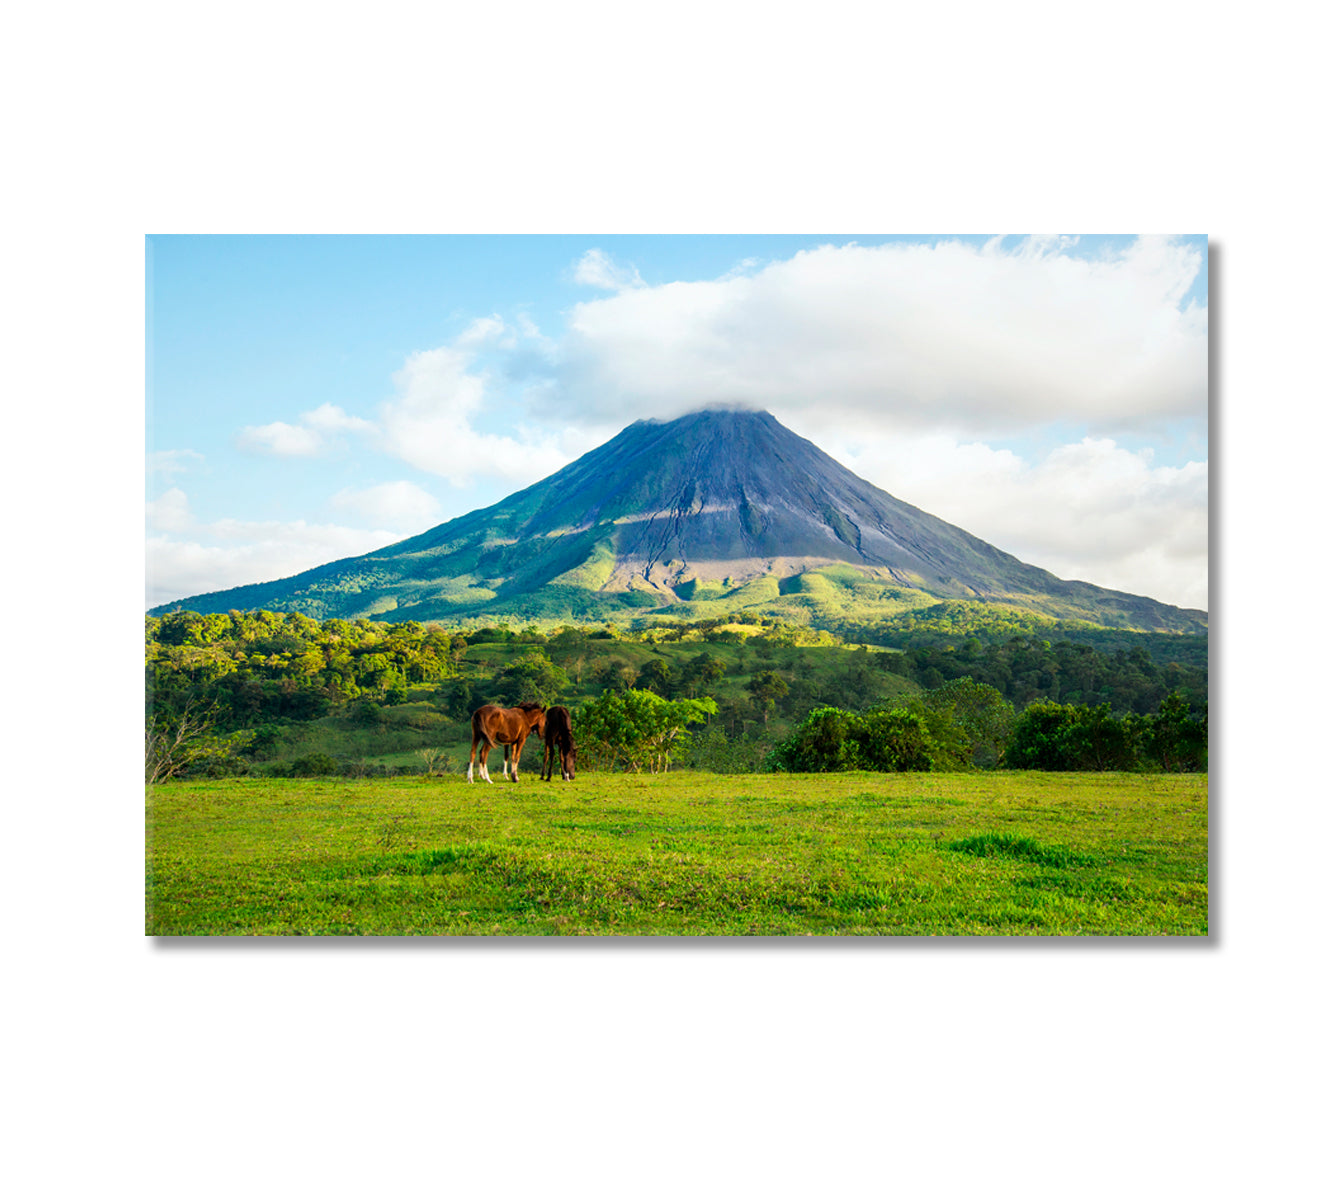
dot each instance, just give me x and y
(311, 397)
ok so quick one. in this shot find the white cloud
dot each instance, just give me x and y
(596, 269)
(485, 331)
(229, 553)
(170, 512)
(1090, 510)
(904, 360)
(397, 505)
(330, 419)
(441, 394)
(172, 462)
(315, 434)
(982, 340)
(282, 439)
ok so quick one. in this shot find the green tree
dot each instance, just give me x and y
(982, 717)
(1072, 737)
(615, 675)
(1039, 740)
(831, 739)
(655, 676)
(893, 739)
(766, 689)
(636, 729)
(1174, 740)
(1098, 741)
(701, 673)
(823, 742)
(531, 677)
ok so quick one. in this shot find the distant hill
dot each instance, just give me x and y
(717, 511)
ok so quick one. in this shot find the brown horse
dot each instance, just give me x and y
(559, 737)
(494, 726)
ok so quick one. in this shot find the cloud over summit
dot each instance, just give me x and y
(985, 340)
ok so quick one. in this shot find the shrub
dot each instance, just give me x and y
(712, 750)
(1073, 737)
(893, 740)
(831, 739)
(823, 742)
(222, 766)
(310, 765)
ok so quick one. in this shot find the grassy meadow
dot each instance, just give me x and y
(988, 853)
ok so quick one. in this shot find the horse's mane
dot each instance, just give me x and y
(529, 706)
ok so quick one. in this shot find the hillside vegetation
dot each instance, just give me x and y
(243, 693)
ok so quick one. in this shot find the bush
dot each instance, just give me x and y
(229, 766)
(893, 740)
(309, 766)
(831, 739)
(823, 742)
(1073, 737)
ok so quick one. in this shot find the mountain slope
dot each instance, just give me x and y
(714, 506)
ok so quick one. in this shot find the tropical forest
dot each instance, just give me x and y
(284, 695)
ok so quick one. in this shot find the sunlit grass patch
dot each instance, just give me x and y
(1027, 849)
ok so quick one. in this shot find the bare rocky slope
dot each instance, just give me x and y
(672, 515)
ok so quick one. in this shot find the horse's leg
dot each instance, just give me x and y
(486, 753)
(514, 761)
(472, 757)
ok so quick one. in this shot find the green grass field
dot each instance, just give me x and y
(1009, 853)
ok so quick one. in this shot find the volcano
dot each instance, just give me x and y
(718, 507)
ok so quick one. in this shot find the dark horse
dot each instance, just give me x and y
(494, 726)
(559, 738)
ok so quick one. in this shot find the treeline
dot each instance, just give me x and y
(953, 620)
(258, 667)
(957, 620)
(262, 690)
(1028, 669)
(966, 724)
(264, 666)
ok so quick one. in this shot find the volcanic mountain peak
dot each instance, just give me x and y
(714, 500)
(727, 494)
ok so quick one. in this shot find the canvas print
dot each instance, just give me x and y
(677, 585)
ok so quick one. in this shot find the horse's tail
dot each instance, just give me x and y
(479, 733)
